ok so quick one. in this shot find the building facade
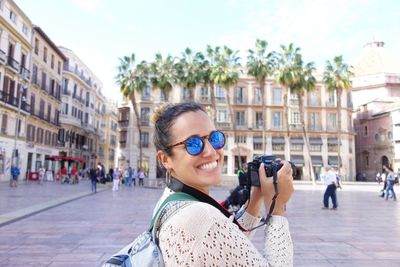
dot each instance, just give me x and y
(43, 123)
(109, 142)
(376, 94)
(320, 116)
(83, 106)
(15, 61)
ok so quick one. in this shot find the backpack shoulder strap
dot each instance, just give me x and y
(169, 206)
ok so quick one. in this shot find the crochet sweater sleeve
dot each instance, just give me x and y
(200, 235)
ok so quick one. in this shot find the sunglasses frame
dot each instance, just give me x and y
(202, 139)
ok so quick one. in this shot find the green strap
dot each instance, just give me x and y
(178, 196)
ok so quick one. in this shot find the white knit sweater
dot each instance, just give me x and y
(200, 235)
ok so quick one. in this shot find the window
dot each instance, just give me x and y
(144, 139)
(146, 93)
(45, 54)
(331, 121)
(377, 137)
(145, 116)
(239, 95)
(331, 99)
(4, 124)
(52, 62)
(222, 116)
(48, 112)
(259, 120)
(36, 46)
(332, 147)
(186, 93)
(277, 96)
(295, 117)
(64, 108)
(240, 118)
(390, 135)
(257, 142)
(296, 147)
(59, 68)
(25, 29)
(315, 148)
(220, 95)
(278, 146)
(365, 131)
(277, 119)
(294, 100)
(204, 93)
(314, 121)
(43, 85)
(240, 139)
(13, 17)
(257, 96)
(313, 99)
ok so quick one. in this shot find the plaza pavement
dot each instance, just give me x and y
(54, 224)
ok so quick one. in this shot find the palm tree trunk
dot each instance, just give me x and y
(339, 132)
(138, 125)
(233, 121)
(264, 114)
(286, 115)
(306, 141)
(213, 105)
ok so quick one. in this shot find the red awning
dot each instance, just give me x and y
(65, 158)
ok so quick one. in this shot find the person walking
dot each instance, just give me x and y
(14, 174)
(330, 192)
(141, 176)
(93, 179)
(116, 176)
(384, 180)
(391, 180)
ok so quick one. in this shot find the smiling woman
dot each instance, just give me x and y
(202, 233)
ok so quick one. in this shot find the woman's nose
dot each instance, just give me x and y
(208, 148)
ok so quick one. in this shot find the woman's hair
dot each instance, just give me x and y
(164, 118)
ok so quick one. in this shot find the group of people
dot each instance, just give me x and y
(69, 175)
(389, 179)
(127, 177)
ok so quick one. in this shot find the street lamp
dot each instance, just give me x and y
(15, 156)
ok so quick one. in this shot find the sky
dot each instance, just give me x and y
(100, 32)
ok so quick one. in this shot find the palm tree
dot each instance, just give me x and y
(133, 78)
(163, 74)
(188, 70)
(287, 76)
(337, 78)
(260, 65)
(306, 83)
(226, 74)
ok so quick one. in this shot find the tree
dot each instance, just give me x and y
(133, 78)
(188, 70)
(163, 74)
(287, 76)
(226, 74)
(260, 65)
(337, 78)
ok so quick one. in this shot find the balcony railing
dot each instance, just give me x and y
(25, 73)
(3, 57)
(13, 64)
(14, 101)
(123, 123)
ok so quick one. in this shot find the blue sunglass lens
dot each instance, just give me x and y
(217, 139)
(194, 145)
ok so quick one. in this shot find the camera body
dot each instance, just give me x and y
(270, 163)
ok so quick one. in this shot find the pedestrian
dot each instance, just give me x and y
(130, 176)
(74, 176)
(14, 174)
(384, 180)
(41, 174)
(93, 179)
(64, 175)
(391, 180)
(199, 233)
(116, 176)
(141, 176)
(126, 176)
(330, 192)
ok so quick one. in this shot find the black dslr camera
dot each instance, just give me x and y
(270, 163)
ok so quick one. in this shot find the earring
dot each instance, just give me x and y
(168, 177)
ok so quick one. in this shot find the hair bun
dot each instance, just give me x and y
(158, 111)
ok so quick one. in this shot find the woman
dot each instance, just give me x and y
(199, 234)
(390, 180)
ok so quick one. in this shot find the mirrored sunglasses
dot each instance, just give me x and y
(194, 145)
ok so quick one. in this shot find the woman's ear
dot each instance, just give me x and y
(163, 159)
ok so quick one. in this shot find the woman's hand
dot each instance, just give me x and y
(285, 188)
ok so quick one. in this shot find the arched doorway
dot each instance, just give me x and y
(385, 162)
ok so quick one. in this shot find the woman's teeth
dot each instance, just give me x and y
(208, 166)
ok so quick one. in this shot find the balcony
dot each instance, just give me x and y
(223, 125)
(240, 101)
(25, 73)
(14, 101)
(13, 64)
(123, 123)
(205, 100)
(3, 57)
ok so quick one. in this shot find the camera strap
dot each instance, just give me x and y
(177, 186)
(265, 220)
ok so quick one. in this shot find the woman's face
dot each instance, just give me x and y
(199, 171)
